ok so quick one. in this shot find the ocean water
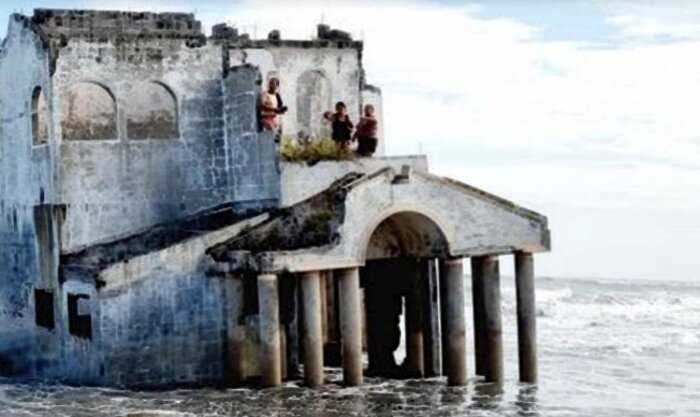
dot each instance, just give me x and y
(606, 348)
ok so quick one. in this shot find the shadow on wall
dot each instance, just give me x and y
(13, 358)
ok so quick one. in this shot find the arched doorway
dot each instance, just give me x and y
(400, 278)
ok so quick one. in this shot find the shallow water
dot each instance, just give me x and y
(607, 348)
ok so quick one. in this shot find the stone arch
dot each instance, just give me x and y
(405, 233)
(88, 112)
(416, 219)
(40, 117)
(401, 249)
(152, 112)
(314, 97)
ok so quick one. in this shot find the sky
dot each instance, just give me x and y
(583, 110)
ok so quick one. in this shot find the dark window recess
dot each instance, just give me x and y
(43, 308)
(79, 320)
(250, 295)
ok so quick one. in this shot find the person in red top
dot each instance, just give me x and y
(271, 107)
(366, 133)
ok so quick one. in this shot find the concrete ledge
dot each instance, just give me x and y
(301, 181)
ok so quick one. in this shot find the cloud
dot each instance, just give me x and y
(654, 21)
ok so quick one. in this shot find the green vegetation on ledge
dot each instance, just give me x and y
(313, 151)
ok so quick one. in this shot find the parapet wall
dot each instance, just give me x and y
(301, 181)
(110, 24)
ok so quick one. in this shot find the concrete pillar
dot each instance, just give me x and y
(456, 367)
(442, 282)
(478, 307)
(527, 326)
(313, 330)
(351, 325)
(432, 347)
(235, 329)
(270, 359)
(414, 364)
(492, 319)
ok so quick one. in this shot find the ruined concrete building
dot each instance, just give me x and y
(151, 236)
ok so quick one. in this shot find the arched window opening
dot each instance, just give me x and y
(40, 119)
(313, 99)
(88, 112)
(152, 112)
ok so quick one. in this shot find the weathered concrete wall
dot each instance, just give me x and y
(300, 181)
(162, 317)
(253, 171)
(166, 329)
(312, 81)
(26, 181)
(114, 187)
(150, 173)
(30, 222)
(102, 136)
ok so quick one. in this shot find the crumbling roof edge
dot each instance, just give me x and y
(28, 23)
(287, 43)
(57, 25)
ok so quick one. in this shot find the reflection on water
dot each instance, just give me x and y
(486, 397)
(526, 401)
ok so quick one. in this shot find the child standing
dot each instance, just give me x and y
(341, 125)
(271, 107)
(366, 134)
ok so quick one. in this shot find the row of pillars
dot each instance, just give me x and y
(488, 330)
(453, 326)
(350, 329)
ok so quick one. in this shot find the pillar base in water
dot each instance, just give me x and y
(351, 325)
(270, 359)
(456, 366)
(313, 332)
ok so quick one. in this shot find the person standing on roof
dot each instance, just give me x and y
(366, 134)
(341, 125)
(271, 107)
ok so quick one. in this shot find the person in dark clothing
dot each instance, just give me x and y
(366, 134)
(341, 125)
